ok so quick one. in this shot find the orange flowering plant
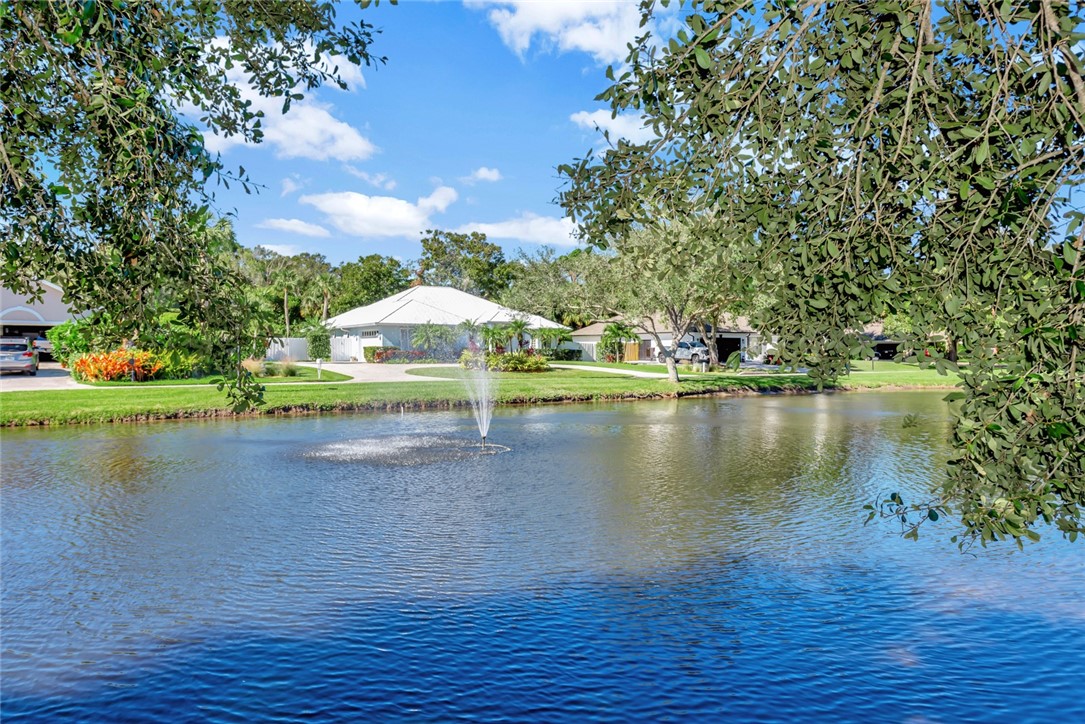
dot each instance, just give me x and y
(120, 364)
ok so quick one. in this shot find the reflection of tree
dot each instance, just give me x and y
(693, 478)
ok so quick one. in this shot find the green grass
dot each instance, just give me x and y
(305, 374)
(441, 390)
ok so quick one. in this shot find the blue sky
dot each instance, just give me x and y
(461, 130)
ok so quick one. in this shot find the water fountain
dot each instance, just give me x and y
(481, 393)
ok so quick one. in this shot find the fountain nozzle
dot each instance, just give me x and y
(483, 442)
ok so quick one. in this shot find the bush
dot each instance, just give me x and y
(508, 362)
(70, 340)
(178, 365)
(393, 355)
(561, 355)
(287, 368)
(372, 352)
(118, 365)
(254, 367)
(320, 343)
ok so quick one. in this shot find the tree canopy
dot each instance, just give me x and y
(881, 153)
(105, 186)
(467, 262)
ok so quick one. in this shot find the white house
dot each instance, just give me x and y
(733, 335)
(22, 317)
(391, 321)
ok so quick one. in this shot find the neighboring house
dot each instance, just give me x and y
(885, 347)
(734, 334)
(391, 322)
(22, 317)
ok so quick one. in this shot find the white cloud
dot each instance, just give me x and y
(308, 130)
(361, 215)
(291, 184)
(482, 173)
(284, 249)
(294, 226)
(601, 28)
(530, 228)
(628, 126)
(380, 180)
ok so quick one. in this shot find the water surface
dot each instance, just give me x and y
(694, 559)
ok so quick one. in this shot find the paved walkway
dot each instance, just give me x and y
(613, 371)
(51, 376)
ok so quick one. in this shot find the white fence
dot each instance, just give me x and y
(293, 347)
(347, 349)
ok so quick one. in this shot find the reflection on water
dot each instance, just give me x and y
(687, 559)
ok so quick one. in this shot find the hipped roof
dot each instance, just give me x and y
(437, 305)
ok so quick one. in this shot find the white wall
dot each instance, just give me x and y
(296, 348)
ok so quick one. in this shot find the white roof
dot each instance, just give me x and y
(439, 305)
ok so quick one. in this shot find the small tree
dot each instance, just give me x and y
(433, 339)
(517, 328)
(320, 342)
(473, 330)
(614, 337)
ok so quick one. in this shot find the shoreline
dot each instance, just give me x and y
(451, 402)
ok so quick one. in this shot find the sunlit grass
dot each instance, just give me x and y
(438, 387)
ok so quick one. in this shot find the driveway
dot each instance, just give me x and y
(51, 376)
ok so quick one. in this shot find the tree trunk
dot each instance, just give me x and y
(713, 349)
(286, 309)
(324, 308)
(672, 369)
(668, 355)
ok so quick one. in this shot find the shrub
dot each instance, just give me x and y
(178, 365)
(372, 352)
(394, 355)
(254, 367)
(508, 362)
(120, 364)
(561, 355)
(287, 368)
(320, 343)
(70, 340)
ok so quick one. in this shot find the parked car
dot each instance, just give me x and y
(18, 355)
(44, 346)
(687, 352)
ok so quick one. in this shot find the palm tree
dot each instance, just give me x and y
(473, 330)
(495, 336)
(286, 278)
(518, 328)
(614, 336)
(318, 292)
(432, 337)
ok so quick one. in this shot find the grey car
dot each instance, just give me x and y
(18, 355)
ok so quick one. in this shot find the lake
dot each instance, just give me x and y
(700, 559)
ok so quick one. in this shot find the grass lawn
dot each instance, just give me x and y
(305, 374)
(436, 388)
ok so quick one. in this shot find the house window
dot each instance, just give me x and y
(404, 337)
(369, 334)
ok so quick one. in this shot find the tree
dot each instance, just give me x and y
(368, 280)
(879, 152)
(104, 185)
(465, 261)
(517, 329)
(544, 284)
(434, 339)
(614, 337)
(473, 330)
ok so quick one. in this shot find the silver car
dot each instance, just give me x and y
(18, 355)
